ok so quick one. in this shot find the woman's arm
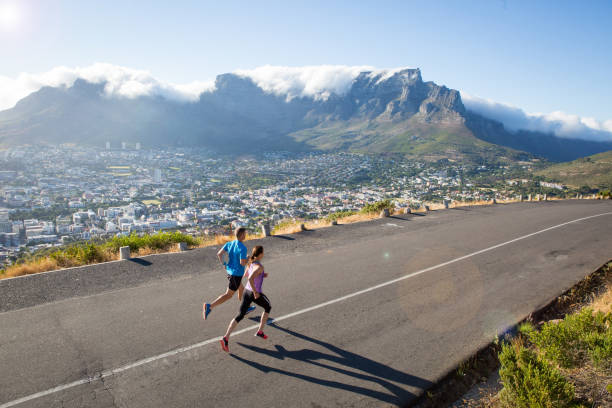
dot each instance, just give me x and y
(255, 273)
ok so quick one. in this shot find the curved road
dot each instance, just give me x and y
(367, 314)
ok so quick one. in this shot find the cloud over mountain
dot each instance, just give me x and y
(558, 123)
(317, 82)
(120, 82)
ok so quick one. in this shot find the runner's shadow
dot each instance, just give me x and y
(140, 261)
(283, 237)
(395, 217)
(355, 366)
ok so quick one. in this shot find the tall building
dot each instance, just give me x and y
(138, 146)
(157, 176)
(4, 215)
(107, 145)
(123, 145)
(6, 226)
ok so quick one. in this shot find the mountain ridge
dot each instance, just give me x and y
(380, 112)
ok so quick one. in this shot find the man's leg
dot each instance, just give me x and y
(223, 298)
(240, 292)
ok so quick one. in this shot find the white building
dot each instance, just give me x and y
(157, 176)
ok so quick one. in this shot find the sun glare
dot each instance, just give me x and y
(10, 16)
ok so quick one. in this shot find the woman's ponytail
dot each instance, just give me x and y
(257, 250)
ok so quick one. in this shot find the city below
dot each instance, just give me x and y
(56, 195)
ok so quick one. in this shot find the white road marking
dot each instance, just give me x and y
(118, 370)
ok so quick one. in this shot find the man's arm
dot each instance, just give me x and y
(243, 256)
(220, 255)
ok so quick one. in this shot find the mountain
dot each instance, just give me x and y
(379, 112)
(594, 171)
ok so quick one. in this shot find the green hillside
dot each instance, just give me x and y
(409, 137)
(593, 171)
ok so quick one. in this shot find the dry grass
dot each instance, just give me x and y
(44, 264)
(295, 226)
(36, 266)
(603, 303)
(359, 217)
(218, 240)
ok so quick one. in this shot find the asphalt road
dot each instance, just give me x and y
(368, 314)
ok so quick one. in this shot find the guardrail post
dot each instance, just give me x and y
(407, 210)
(426, 207)
(545, 197)
(384, 213)
(265, 228)
(124, 252)
(334, 222)
(303, 227)
(182, 246)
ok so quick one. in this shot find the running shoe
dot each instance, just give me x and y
(261, 334)
(224, 345)
(206, 310)
(250, 309)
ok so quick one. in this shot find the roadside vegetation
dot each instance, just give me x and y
(91, 252)
(87, 253)
(545, 367)
(562, 359)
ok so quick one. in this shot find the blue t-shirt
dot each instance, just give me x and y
(236, 251)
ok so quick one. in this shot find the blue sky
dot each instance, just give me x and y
(541, 56)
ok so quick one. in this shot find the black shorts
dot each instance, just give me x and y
(234, 282)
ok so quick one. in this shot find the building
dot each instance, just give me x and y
(157, 176)
(6, 226)
(10, 239)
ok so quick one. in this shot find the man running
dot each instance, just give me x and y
(237, 259)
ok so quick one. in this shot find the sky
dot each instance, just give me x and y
(549, 57)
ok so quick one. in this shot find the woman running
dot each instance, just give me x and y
(252, 293)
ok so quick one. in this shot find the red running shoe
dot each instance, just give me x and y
(261, 334)
(224, 345)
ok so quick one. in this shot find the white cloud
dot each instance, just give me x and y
(317, 82)
(120, 82)
(560, 123)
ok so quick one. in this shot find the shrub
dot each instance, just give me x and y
(575, 338)
(285, 225)
(78, 255)
(378, 206)
(530, 382)
(339, 214)
(159, 240)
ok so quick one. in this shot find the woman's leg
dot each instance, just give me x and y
(264, 302)
(247, 298)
